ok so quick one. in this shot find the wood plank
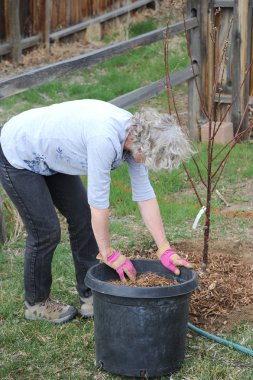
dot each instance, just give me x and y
(224, 3)
(39, 76)
(198, 52)
(47, 23)
(250, 55)
(223, 98)
(240, 43)
(29, 42)
(153, 89)
(54, 15)
(84, 8)
(222, 21)
(228, 3)
(100, 19)
(209, 62)
(222, 61)
(2, 20)
(63, 13)
(75, 15)
(5, 48)
(227, 99)
(25, 43)
(206, 55)
(68, 5)
(16, 51)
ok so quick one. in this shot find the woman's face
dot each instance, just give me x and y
(139, 158)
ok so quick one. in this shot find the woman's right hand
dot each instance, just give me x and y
(120, 263)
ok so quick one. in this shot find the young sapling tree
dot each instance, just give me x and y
(210, 168)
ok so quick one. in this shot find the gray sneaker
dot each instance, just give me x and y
(51, 311)
(86, 306)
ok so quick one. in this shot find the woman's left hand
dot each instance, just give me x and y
(171, 260)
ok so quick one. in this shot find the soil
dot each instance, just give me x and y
(225, 294)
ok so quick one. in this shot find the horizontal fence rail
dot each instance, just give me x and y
(228, 3)
(153, 89)
(25, 44)
(48, 73)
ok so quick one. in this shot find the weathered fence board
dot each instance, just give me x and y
(24, 44)
(42, 75)
(229, 3)
(198, 54)
(240, 49)
(13, 6)
(47, 21)
(224, 3)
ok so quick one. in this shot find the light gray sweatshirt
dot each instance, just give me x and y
(80, 137)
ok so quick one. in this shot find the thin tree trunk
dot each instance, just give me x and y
(206, 235)
(208, 200)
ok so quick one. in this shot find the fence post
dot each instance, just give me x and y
(241, 43)
(47, 13)
(2, 224)
(16, 50)
(198, 49)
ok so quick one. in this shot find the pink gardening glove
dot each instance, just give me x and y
(120, 263)
(170, 259)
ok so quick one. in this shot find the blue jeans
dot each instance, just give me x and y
(36, 197)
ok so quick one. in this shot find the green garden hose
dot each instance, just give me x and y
(221, 340)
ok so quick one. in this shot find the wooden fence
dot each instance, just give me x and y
(62, 14)
(24, 24)
(205, 54)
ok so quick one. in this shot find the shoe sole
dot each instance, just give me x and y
(65, 319)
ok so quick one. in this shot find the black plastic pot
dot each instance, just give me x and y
(140, 331)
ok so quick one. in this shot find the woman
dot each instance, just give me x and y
(43, 153)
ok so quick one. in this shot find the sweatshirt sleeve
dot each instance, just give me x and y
(141, 187)
(101, 155)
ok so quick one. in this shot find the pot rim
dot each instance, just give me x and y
(187, 281)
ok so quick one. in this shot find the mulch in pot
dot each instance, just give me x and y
(146, 280)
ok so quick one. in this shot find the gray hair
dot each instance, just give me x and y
(159, 139)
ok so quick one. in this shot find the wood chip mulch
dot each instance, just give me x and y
(225, 288)
(225, 294)
(147, 280)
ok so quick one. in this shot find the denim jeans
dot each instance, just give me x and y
(36, 198)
